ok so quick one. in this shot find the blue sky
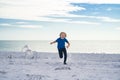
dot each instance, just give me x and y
(44, 19)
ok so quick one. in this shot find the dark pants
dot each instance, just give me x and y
(61, 52)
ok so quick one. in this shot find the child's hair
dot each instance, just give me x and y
(63, 33)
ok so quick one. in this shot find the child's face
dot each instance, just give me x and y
(62, 35)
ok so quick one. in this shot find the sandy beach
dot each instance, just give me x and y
(48, 66)
(35, 34)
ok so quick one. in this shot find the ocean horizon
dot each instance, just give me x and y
(77, 46)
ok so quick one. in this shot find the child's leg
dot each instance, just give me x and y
(60, 53)
(65, 55)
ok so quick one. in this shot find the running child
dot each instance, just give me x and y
(61, 46)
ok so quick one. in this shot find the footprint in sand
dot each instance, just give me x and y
(63, 68)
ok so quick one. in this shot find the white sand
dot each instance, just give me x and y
(47, 66)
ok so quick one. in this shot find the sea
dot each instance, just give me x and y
(77, 46)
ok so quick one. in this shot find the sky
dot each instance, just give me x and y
(45, 19)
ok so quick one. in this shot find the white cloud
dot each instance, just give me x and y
(111, 20)
(39, 10)
(35, 9)
(30, 26)
(107, 19)
(118, 28)
(96, 1)
(84, 22)
(109, 9)
(5, 24)
(21, 26)
(21, 22)
(101, 18)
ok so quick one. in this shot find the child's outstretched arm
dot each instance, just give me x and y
(53, 42)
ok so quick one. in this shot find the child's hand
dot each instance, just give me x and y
(51, 43)
(68, 46)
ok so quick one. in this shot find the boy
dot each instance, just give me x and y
(61, 46)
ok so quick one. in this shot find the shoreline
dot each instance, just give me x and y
(57, 52)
